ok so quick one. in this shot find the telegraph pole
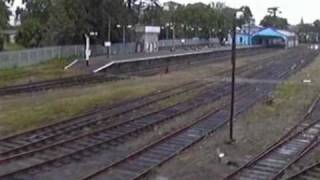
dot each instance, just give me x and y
(233, 63)
(233, 74)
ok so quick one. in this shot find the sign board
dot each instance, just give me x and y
(107, 44)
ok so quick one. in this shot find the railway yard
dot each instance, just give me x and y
(168, 120)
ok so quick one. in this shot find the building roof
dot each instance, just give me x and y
(274, 33)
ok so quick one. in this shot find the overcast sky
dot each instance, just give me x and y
(293, 10)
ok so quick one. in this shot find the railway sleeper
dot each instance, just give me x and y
(261, 172)
(133, 166)
(251, 176)
(151, 155)
(265, 168)
(272, 165)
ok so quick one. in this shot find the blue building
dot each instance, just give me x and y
(244, 35)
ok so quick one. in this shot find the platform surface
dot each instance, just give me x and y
(100, 61)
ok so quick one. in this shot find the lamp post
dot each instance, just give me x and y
(233, 74)
(124, 27)
(173, 36)
(167, 30)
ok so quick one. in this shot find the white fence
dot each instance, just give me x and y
(37, 55)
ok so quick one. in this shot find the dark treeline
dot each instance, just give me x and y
(62, 22)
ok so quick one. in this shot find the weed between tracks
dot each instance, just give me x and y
(262, 126)
(44, 71)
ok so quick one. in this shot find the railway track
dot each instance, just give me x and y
(58, 83)
(276, 159)
(137, 164)
(15, 143)
(93, 78)
(87, 142)
(310, 173)
(23, 142)
(74, 147)
(272, 163)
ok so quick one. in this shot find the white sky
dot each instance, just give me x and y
(293, 10)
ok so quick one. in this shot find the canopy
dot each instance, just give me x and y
(269, 33)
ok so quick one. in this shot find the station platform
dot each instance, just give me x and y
(96, 64)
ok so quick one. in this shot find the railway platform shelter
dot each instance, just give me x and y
(275, 37)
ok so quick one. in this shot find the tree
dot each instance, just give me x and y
(61, 22)
(316, 25)
(4, 19)
(33, 18)
(246, 16)
(274, 21)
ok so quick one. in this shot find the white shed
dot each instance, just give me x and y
(147, 38)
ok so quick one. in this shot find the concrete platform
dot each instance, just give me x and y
(101, 63)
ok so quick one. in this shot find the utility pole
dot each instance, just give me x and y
(233, 74)
(273, 11)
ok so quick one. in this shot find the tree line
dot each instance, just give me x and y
(64, 22)
(61, 22)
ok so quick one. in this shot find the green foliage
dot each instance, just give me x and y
(4, 14)
(309, 33)
(274, 21)
(4, 19)
(30, 33)
(60, 22)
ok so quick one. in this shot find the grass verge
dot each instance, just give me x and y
(43, 71)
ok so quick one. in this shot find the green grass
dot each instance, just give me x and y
(288, 90)
(28, 112)
(43, 71)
